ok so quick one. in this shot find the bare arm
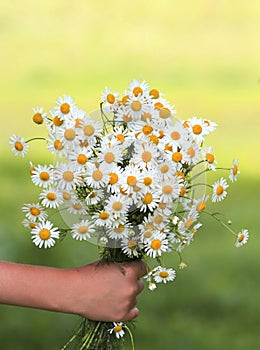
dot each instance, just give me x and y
(95, 291)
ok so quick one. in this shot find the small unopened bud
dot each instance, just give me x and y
(182, 265)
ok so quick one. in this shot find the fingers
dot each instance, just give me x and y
(138, 268)
(133, 313)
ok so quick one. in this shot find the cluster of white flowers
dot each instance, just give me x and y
(130, 180)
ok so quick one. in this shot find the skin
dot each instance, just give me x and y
(96, 291)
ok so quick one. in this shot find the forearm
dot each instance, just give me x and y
(31, 286)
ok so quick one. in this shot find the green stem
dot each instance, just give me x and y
(36, 138)
(131, 337)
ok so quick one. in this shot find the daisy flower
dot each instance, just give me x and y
(156, 245)
(131, 179)
(197, 128)
(54, 123)
(122, 115)
(38, 115)
(42, 175)
(29, 224)
(211, 126)
(69, 135)
(44, 234)
(219, 190)
(117, 205)
(64, 108)
(136, 107)
(121, 136)
(170, 189)
(97, 176)
(210, 158)
(51, 198)
(76, 208)
(55, 145)
(110, 154)
(117, 330)
(103, 218)
(119, 231)
(19, 146)
(90, 128)
(146, 155)
(137, 87)
(79, 158)
(34, 212)
(82, 230)
(242, 238)
(148, 200)
(130, 245)
(234, 171)
(191, 153)
(115, 173)
(94, 197)
(67, 176)
(177, 133)
(161, 274)
(110, 99)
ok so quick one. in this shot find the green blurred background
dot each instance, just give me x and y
(205, 56)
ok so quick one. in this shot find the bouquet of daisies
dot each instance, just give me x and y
(133, 183)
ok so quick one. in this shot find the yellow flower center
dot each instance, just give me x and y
(148, 234)
(201, 206)
(156, 244)
(113, 178)
(189, 223)
(32, 224)
(148, 198)
(58, 145)
(44, 176)
(119, 229)
(241, 238)
(154, 139)
(210, 158)
(89, 130)
(158, 105)
(111, 98)
(164, 274)
(180, 174)
(77, 206)
(125, 99)
(83, 229)
(127, 118)
(109, 157)
(148, 181)
(235, 169)
(158, 219)
(132, 244)
(164, 169)
(162, 206)
(65, 108)
(104, 215)
(97, 175)
(147, 129)
(120, 138)
(35, 211)
(146, 116)
(191, 152)
(168, 147)
(182, 191)
(219, 190)
(177, 157)
(117, 206)
(167, 189)
(164, 113)
(146, 156)
(68, 176)
(131, 180)
(175, 135)
(197, 129)
(37, 118)
(69, 134)
(154, 93)
(18, 146)
(66, 196)
(57, 121)
(82, 159)
(137, 91)
(51, 196)
(136, 106)
(44, 234)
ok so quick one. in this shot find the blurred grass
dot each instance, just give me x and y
(204, 56)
